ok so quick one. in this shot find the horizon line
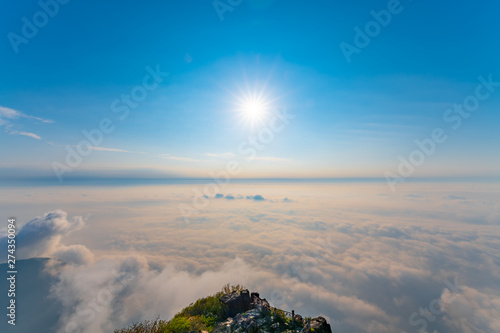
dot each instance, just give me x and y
(104, 180)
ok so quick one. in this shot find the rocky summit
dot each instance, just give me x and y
(232, 310)
(247, 312)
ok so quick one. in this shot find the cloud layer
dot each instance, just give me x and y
(368, 260)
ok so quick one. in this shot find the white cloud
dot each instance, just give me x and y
(270, 159)
(96, 148)
(8, 113)
(8, 116)
(177, 158)
(366, 263)
(116, 150)
(221, 155)
(31, 135)
(42, 237)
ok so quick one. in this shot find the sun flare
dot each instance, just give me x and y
(253, 109)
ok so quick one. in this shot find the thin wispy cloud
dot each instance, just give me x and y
(8, 117)
(178, 158)
(257, 158)
(110, 149)
(271, 159)
(11, 114)
(105, 149)
(6, 113)
(221, 155)
(31, 135)
(116, 150)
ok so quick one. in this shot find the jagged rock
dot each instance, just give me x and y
(236, 302)
(223, 327)
(252, 327)
(247, 320)
(320, 325)
(248, 313)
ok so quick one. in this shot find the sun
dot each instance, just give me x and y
(253, 103)
(253, 109)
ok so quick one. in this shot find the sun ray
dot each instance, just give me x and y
(253, 106)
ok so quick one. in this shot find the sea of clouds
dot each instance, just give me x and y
(423, 259)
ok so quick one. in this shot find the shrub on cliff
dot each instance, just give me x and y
(202, 315)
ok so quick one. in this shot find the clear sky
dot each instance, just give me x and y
(354, 103)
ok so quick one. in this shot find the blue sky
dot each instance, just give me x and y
(351, 119)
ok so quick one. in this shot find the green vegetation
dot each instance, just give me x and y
(227, 289)
(285, 321)
(156, 326)
(204, 314)
(280, 317)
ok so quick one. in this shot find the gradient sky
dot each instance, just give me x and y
(351, 119)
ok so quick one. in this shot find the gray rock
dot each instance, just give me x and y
(236, 302)
(320, 325)
(248, 313)
(223, 327)
(252, 327)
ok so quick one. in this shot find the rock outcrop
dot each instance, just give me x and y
(238, 311)
(319, 324)
(236, 302)
(248, 313)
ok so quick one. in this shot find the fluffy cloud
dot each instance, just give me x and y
(41, 237)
